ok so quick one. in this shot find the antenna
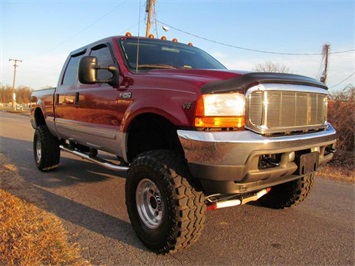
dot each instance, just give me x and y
(137, 58)
(139, 26)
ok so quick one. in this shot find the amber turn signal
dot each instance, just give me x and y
(220, 122)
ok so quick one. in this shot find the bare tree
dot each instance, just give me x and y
(23, 94)
(5, 94)
(341, 114)
(271, 67)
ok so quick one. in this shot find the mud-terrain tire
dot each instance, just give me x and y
(288, 194)
(166, 212)
(46, 149)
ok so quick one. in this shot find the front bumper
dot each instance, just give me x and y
(228, 162)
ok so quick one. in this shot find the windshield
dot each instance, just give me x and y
(158, 54)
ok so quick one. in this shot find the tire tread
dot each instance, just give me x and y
(189, 216)
(289, 194)
(50, 149)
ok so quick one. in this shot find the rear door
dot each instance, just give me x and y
(65, 97)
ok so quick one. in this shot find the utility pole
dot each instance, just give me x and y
(325, 58)
(149, 9)
(13, 83)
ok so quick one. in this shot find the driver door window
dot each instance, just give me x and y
(104, 58)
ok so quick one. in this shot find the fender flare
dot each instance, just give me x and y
(175, 113)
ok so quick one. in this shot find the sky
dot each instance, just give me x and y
(239, 33)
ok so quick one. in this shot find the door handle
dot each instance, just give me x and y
(76, 98)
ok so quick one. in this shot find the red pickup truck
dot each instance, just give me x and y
(190, 135)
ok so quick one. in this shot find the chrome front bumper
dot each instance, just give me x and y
(233, 157)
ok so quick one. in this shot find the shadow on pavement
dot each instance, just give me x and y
(58, 189)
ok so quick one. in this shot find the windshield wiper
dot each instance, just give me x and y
(160, 66)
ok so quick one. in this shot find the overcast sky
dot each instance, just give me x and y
(240, 34)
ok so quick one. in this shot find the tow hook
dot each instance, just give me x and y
(235, 202)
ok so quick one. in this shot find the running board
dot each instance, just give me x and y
(97, 160)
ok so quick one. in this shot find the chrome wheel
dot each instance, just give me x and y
(149, 203)
(38, 150)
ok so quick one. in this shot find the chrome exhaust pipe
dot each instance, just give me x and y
(235, 202)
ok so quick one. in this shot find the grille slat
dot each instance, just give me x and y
(271, 111)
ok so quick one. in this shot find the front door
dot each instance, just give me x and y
(100, 108)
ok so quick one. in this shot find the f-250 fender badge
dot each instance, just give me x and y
(126, 95)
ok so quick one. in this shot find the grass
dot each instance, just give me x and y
(29, 235)
(340, 168)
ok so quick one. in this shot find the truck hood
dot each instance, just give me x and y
(213, 81)
(188, 79)
(202, 75)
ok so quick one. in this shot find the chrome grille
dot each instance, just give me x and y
(273, 108)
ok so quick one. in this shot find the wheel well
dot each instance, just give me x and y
(151, 132)
(39, 118)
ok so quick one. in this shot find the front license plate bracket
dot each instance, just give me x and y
(308, 163)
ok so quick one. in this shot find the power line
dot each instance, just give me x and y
(260, 51)
(84, 29)
(100, 18)
(249, 49)
(343, 80)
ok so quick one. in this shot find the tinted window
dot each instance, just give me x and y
(104, 58)
(154, 53)
(71, 72)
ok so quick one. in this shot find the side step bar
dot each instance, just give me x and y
(97, 160)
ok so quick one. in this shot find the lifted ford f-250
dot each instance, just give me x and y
(192, 135)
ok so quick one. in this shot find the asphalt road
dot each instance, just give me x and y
(90, 202)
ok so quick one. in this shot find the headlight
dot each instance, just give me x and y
(220, 110)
